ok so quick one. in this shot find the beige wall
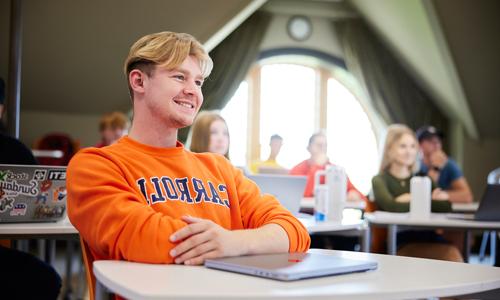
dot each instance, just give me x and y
(35, 124)
(479, 159)
(323, 36)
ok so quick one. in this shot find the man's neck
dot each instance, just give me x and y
(156, 136)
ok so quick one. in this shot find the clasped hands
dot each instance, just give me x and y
(202, 239)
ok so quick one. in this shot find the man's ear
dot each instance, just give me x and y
(136, 79)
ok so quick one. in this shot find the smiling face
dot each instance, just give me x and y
(219, 137)
(172, 97)
(404, 151)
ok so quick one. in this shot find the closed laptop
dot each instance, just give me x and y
(291, 266)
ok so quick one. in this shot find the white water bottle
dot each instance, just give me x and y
(336, 182)
(420, 200)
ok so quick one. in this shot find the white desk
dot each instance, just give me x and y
(358, 226)
(465, 207)
(308, 204)
(393, 220)
(38, 230)
(429, 278)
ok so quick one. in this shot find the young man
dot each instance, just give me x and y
(317, 147)
(147, 199)
(442, 170)
(270, 165)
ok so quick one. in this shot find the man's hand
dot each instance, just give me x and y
(403, 198)
(202, 239)
(439, 194)
(438, 159)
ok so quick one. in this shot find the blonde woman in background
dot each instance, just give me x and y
(209, 133)
(391, 188)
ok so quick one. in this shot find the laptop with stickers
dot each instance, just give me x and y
(291, 266)
(32, 193)
(287, 189)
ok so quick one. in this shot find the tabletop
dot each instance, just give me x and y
(441, 220)
(62, 227)
(429, 278)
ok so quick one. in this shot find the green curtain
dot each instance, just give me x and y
(394, 93)
(232, 58)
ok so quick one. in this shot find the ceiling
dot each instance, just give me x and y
(452, 47)
(73, 50)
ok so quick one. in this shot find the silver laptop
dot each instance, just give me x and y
(287, 189)
(32, 193)
(290, 266)
(489, 206)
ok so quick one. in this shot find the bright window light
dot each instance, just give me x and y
(351, 139)
(287, 109)
(235, 114)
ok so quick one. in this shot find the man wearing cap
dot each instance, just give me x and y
(443, 170)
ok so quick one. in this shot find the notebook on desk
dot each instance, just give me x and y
(287, 189)
(489, 206)
(32, 193)
(290, 266)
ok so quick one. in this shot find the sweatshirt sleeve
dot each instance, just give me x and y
(384, 199)
(111, 217)
(387, 201)
(258, 210)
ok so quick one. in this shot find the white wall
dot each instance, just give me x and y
(323, 36)
(35, 124)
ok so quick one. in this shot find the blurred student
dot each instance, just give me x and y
(112, 127)
(391, 188)
(209, 133)
(317, 147)
(267, 166)
(443, 170)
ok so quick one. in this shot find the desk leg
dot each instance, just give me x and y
(365, 239)
(100, 291)
(466, 251)
(68, 293)
(392, 232)
(493, 246)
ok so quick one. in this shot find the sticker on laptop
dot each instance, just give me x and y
(19, 209)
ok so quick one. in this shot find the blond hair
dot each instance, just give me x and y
(114, 120)
(167, 50)
(394, 133)
(200, 131)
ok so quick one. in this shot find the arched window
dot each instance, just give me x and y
(295, 96)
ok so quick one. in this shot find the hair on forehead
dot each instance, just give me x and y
(167, 50)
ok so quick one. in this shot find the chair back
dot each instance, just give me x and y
(88, 261)
(57, 141)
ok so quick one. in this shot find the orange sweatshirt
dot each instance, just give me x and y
(127, 199)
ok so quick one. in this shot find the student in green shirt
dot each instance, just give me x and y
(391, 188)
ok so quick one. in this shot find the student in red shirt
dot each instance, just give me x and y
(317, 147)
